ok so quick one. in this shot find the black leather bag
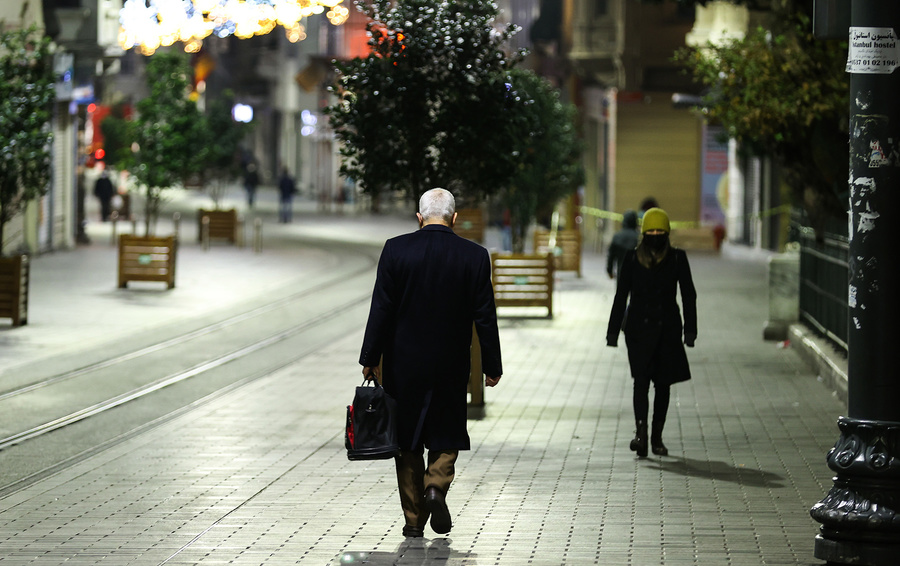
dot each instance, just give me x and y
(371, 430)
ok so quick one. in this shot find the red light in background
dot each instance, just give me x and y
(91, 107)
(99, 154)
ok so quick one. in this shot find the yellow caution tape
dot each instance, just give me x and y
(783, 209)
(601, 213)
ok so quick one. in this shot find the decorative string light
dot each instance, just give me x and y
(149, 24)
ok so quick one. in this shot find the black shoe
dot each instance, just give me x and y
(413, 532)
(440, 515)
(659, 448)
(656, 443)
(639, 443)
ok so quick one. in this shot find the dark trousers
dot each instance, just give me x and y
(641, 402)
(413, 478)
(105, 209)
(285, 211)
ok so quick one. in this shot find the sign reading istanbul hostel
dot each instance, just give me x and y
(873, 51)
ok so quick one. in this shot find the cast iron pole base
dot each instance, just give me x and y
(849, 552)
(860, 516)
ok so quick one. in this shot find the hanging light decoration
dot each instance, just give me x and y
(149, 24)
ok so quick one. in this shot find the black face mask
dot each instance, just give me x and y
(656, 242)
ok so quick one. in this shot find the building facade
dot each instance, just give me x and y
(638, 143)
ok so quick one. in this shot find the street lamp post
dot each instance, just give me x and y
(860, 515)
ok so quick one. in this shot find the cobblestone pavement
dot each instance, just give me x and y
(260, 476)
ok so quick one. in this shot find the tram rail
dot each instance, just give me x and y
(199, 364)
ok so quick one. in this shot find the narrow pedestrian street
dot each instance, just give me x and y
(258, 473)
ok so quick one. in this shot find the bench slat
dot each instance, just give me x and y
(521, 280)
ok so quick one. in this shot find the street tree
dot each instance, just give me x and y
(26, 106)
(117, 136)
(548, 149)
(430, 105)
(784, 93)
(219, 154)
(167, 132)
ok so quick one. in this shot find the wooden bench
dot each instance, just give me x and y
(567, 252)
(146, 258)
(14, 289)
(470, 224)
(523, 280)
(223, 224)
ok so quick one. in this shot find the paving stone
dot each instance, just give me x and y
(260, 476)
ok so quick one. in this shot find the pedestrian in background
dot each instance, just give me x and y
(251, 181)
(647, 204)
(287, 188)
(645, 307)
(104, 191)
(625, 240)
(431, 286)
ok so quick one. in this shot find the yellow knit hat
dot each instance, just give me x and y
(655, 219)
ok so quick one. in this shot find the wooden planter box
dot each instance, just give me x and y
(14, 289)
(223, 224)
(523, 280)
(147, 258)
(567, 252)
(470, 224)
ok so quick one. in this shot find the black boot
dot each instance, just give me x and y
(639, 444)
(656, 443)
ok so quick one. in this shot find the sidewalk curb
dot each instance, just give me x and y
(829, 364)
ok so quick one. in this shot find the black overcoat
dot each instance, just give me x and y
(653, 325)
(431, 286)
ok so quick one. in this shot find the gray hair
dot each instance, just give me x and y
(437, 203)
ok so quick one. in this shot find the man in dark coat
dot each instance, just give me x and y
(651, 275)
(104, 191)
(431, 286)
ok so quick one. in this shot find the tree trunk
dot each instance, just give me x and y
(517, 233)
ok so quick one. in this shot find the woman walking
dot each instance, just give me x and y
(645, 307)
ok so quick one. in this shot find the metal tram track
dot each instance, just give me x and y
(206, 366)
(162, 345)
(177, 377)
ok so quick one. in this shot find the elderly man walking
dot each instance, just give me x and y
(431, 286)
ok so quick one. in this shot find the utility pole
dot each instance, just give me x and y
(860, 515)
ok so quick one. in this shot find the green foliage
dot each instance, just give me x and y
(215, 155)
(168, 132)
(548, 149)
(429, 106)
(117, 138)
(782, 92)
(769, 88)
(219, 153)
(26, 105)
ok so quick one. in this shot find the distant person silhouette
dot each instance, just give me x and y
(625, 240)
(251, 181)
(287, 188)
(104, 191)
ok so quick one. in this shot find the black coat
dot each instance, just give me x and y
(431, 286)
(103, 189)
(653, 326)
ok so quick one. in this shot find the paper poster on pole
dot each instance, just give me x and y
(873, 51)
